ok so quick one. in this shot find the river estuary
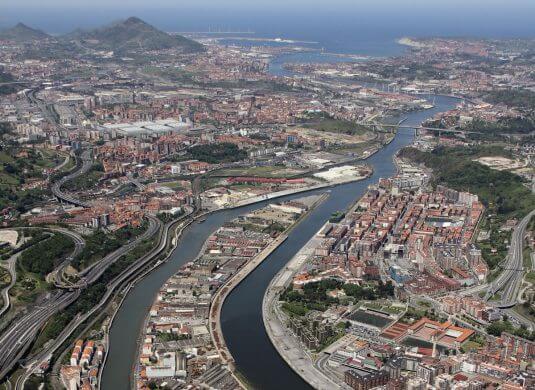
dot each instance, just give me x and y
(241, 317)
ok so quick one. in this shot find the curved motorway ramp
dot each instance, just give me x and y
(84, 168)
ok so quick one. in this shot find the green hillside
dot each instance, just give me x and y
(132, 35)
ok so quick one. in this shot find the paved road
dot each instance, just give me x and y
(46, 111)
(91, 274)
(79, 244)
(509, 280)
(137, 183)
(323, 366)
(84, 168)
(15, 340)
(284, 341)
(112, 288)
(65, 162)
(10, 265)
(86, 156)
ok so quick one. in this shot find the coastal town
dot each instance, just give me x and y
(392, 197)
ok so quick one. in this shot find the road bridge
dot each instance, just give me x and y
(426, 128)
(68, 198)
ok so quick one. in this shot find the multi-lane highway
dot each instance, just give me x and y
(10, 264)
(17, 337)
(125, 277)
(84, 168)
(43, 107)
(15, 340)
(509, 285)
(91, 274)
(509, 280)
(79, 244)
(86, 155)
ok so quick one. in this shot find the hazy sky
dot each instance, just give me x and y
(269, 2)
(286, 17)
(517, 5)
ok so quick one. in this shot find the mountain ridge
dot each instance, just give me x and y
(132, 34)
(23, 33)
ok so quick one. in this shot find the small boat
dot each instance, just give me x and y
(201, 220)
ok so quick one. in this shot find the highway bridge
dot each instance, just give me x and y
(417, 128)
(140, 186)
(68, 198)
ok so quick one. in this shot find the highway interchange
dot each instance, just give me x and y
(15, 340)
(56, 187)
(112, 288)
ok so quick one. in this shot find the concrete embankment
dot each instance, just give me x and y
(286, 344)
(279, 194)
(223, 292)
(178, 229)
(174, 242)
(220, 296)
